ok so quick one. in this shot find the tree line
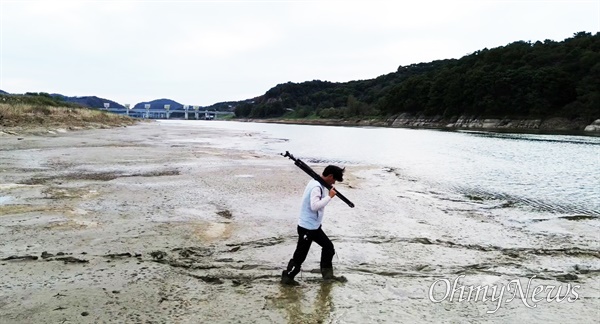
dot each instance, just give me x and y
(519, 80)
(41, 99)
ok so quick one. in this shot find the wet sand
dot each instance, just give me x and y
(154, 224)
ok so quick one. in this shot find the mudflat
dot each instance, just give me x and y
(153, 223)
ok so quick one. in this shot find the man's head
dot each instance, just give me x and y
(332, 173)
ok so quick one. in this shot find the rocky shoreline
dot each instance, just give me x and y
(546, 126)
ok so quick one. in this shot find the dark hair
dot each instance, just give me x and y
(338, 173)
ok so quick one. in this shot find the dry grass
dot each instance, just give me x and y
(26, 115)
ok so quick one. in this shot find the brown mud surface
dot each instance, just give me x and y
(142, 225)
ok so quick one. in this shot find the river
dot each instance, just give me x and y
(193, 222)
(559, 174)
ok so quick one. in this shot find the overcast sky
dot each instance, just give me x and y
(202, 52)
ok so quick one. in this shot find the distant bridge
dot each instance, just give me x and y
(169, 114)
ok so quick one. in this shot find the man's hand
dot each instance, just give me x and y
(332, 192)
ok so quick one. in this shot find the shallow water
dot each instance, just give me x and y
(435, 205)
(193, 222)
(554, 173)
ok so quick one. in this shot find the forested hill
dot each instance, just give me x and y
(520, 80)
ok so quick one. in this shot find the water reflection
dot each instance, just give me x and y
(550, 173)
(293, 299)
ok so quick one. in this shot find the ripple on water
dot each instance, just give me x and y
(508, 201)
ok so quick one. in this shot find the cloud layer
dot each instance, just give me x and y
(202, 52)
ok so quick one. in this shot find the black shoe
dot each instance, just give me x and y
(328, 275)
(287, 280)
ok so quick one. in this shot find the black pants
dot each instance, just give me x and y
(305, 239)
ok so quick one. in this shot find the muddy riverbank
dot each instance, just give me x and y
(156, 223)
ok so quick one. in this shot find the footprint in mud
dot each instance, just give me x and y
(270, 241)
(193, 252)
(225, 214)
(258, 267)
(207, 279)
(249, 266)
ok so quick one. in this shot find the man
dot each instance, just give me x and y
(314, 200)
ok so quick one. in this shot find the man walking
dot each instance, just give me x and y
(314, 200)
